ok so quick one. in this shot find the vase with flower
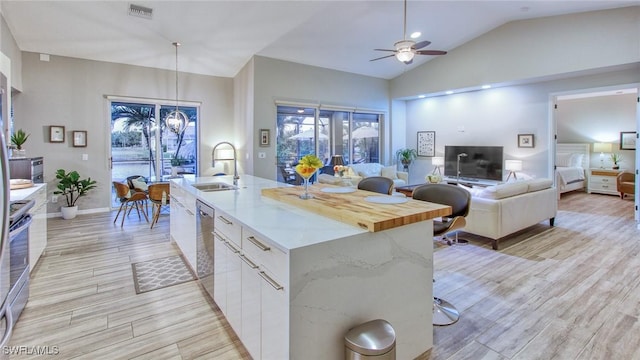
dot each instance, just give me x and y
(308, 166)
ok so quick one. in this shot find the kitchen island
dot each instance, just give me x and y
(292, 282)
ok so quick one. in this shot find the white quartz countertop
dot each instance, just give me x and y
(287, 226)
(21, 194)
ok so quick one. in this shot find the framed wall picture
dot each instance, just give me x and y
(79, 138)
(628, 140)
(264, 137)
(525, 141)
(426, 143)
(56, 134)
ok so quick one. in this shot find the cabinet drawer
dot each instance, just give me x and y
(606, 186)
(265, 254)
(229, 227)
(603, 180)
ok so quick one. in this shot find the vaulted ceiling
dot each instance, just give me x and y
(219, 37)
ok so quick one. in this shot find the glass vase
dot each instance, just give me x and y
(306, 195)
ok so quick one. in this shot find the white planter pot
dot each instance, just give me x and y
(69, 212)
(15, 153)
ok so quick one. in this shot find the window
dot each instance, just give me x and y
(311, 130)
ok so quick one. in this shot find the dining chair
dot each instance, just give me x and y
(159, 197)
(129, 200)
(379, 184)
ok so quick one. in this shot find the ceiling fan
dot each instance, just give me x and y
(405, 49)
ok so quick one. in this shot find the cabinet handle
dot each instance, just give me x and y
(218, 236)
(249, 262)
(225, 220)
(257, 243)
(605, 180)
(269, 280)
(231, 247)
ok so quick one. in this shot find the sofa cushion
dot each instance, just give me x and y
(471, 190)
(538, 184)
(504, 190)
(389, 172)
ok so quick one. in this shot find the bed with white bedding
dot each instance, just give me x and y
(572, 163)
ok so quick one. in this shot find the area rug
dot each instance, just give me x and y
(160, 273)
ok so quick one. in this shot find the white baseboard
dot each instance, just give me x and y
(80, 212)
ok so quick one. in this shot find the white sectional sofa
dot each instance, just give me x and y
(501, 210)
(400, 178)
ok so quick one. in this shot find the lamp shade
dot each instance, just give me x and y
(513, 165)
(337, 160)
(437, 161)
(602, 147)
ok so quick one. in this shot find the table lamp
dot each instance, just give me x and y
(513, 166)
(337, 160)
(437, 162)
(602, 148)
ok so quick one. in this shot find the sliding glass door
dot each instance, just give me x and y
(143, 145)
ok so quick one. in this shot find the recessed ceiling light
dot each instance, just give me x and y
(300, 111)
(449, 92)
(486, 86)
(422, 96)
(415, 35)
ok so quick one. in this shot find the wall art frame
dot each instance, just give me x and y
(56, 133)
(79, 138)
(526, 141)
(628, 140)
(265, 137)
(426, 143)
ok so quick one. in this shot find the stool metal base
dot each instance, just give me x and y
(444, 313)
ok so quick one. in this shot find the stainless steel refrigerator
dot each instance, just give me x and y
(6, 323)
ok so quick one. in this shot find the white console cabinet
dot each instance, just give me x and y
(603, 181)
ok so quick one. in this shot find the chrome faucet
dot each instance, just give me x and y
(235, 160)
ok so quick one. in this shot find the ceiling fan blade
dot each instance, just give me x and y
(431, 52)
(384, 57)
(383, 50)
(421, 44)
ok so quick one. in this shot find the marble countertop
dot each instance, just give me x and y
(287, 226)
(21, 194)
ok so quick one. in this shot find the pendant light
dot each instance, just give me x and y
(177, 120)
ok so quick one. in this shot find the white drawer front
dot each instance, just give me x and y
(265, 254)
(229, 227)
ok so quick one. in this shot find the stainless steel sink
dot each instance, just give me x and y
(215, 186)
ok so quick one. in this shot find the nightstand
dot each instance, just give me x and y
(603, 181)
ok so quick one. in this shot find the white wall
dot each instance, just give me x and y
(497, 116)
(598, 119)
(71, 92)
(531, 49)
(282, 80)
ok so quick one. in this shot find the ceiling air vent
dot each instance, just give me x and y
(140, 11)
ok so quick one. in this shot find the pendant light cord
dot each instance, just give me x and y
(176, 44)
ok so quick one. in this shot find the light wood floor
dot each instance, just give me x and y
(567, 292)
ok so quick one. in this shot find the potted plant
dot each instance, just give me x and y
(72, 187)
(616, 159)
(18, 139)
(406, 157)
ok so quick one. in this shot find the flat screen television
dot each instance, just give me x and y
(477, 163)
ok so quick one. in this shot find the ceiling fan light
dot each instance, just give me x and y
(404, 55)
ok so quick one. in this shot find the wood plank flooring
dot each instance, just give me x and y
(567, 292)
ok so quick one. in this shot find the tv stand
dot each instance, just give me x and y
(471, 181)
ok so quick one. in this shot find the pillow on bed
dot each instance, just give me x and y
(563, 159)
(576, 160)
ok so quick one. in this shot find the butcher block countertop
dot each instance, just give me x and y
(353, 209)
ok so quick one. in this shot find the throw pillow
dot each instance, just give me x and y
(140, 184)
(576, 160)
(563, 159)
(502, 191)
(539, 184)
(472, 191)
(389, 172)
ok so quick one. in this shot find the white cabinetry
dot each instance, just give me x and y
(38, 228)
(227, 273)
(183, 223)
(603, 181)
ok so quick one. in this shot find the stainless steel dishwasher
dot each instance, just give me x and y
(204, 262)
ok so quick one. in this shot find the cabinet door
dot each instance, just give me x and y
(234, 288)
(251, 283)
(274, 318)
(220, 272)
(38, 228)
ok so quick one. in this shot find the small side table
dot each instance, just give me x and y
(407, 190)
(603, 181)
